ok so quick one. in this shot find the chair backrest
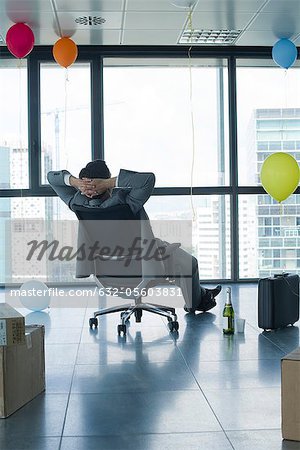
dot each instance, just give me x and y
(118, 212)
(114, 227)
(117, 232)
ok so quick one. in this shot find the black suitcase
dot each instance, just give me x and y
(278, 301)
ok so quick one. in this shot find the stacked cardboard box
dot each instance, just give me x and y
(290, 395)
(12, 326)
(22, 361)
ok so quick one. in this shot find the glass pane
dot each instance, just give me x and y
(45, 208)
(268, 116)
(13, 124)
(269, 236)
(65, 118)
(149, 123)
(211, 228)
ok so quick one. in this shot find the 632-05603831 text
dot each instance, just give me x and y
(129, 292)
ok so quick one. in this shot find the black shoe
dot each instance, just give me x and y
(189, 310)
(208, 300)
(206, 306)
(213, 292)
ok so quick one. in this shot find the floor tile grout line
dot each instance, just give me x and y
(157, 433)
(266, 337)
(181, 434)
(275, 345)
(209, 405)
(69, 394)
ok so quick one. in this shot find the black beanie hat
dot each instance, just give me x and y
(95, 169)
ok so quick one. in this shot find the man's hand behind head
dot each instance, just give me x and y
(92, 187)
(98, 186)
(78, 183)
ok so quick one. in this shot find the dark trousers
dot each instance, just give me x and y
(187, 278)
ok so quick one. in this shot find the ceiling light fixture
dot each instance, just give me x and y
(209, 37)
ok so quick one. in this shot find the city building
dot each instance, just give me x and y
(278, 226)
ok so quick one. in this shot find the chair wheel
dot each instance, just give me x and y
(93, 322)
(121, 329)
(173, 326)
(138, 315)
(122, 315)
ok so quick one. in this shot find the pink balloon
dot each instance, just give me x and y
(20, 40)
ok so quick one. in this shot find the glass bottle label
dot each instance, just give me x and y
(228, 323)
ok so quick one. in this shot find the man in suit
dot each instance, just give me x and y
(95, 188)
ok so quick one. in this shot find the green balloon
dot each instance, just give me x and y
(280, 175)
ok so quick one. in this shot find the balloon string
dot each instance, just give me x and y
(65, 124)
(20, 151)
(20, 133)
(190, 25)
(286, 87)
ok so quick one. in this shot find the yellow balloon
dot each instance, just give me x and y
(280, 175)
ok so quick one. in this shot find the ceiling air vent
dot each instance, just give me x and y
(209, 36)
(90, 20)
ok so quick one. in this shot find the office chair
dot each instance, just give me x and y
(118, 267)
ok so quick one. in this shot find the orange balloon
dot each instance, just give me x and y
(65, 51)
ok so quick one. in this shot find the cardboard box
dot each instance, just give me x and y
(290, 396)
(12, 326)
(22, 371)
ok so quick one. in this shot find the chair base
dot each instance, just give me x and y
(128, 310)
(137, 308)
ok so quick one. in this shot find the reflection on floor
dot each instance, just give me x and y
(154, 390)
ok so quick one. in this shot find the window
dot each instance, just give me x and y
(65, 118)
(266, 115)
(288, 145)
(262, 249)
(15, 218)
(211, 228)
(275, 146)
(148, 124)
(13, 124)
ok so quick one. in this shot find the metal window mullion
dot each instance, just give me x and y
(97, 119)
(233, 163)
(221, 170)
(34, 123)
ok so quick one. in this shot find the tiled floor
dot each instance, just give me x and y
(153, 391)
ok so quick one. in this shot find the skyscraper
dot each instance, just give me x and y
(278, 227)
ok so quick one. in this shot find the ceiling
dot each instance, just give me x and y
(151, 22)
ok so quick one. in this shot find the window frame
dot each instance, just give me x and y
(95, 55)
